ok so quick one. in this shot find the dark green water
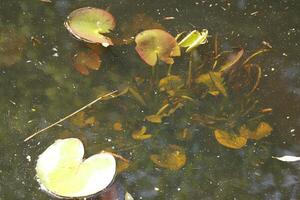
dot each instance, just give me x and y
(38, 86)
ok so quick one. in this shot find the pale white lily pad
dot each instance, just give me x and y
(287, 158)
(62, 172)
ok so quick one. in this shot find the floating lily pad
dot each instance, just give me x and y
(155, 44)
(172, 157)
(230, 140)
(62, 171)
(85, 61)
(88, 24)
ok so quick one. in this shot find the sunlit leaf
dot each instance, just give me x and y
(62, 171)
(194, 39)
(287, 158)
(232, 59)
(170, 84)
(86, 60)
(141, 134)
(214, 82)
(230, 140)
(154, 118)
(155, 44)
(88, 24)
(263, 130)
(172, 157)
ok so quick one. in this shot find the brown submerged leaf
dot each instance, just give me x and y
(172, 157)
(263, 130)
(230, 140)
(81, 121)
(214, 82)
(86, 60)
(232, 59)
(170, 84)
(141, 134)
(154, 118)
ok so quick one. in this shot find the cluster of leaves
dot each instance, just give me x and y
(219, 77)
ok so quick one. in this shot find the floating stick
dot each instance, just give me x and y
(72, 114)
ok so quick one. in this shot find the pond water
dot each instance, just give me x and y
(39, 85)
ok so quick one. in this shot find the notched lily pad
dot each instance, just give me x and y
(62, 171)
(155, 44)
(88, 24)
(172, 157)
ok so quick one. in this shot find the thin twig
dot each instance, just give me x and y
(70, 115)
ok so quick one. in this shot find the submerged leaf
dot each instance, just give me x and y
(232, 59)
(173, 157)
(155, 44)
(194, 39)
(81, 120)
(262, 130)
(287, 158)
(85, 60)
(88, 24)
(141, 134)
(170, 84)
(230, 140)
(154, 118)
(62, 171)
(214, 82)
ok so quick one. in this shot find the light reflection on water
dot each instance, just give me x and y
(41, 87)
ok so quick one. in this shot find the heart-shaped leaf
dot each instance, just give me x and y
(88, 24)
(154, 44)
(62, 171)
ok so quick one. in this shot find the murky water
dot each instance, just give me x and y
(39, 85)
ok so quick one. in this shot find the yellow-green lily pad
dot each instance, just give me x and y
(62, 172)
(156, 44)
(88, 24)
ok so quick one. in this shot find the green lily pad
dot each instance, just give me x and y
(156, 44)
(62, 171)
(88, 24)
